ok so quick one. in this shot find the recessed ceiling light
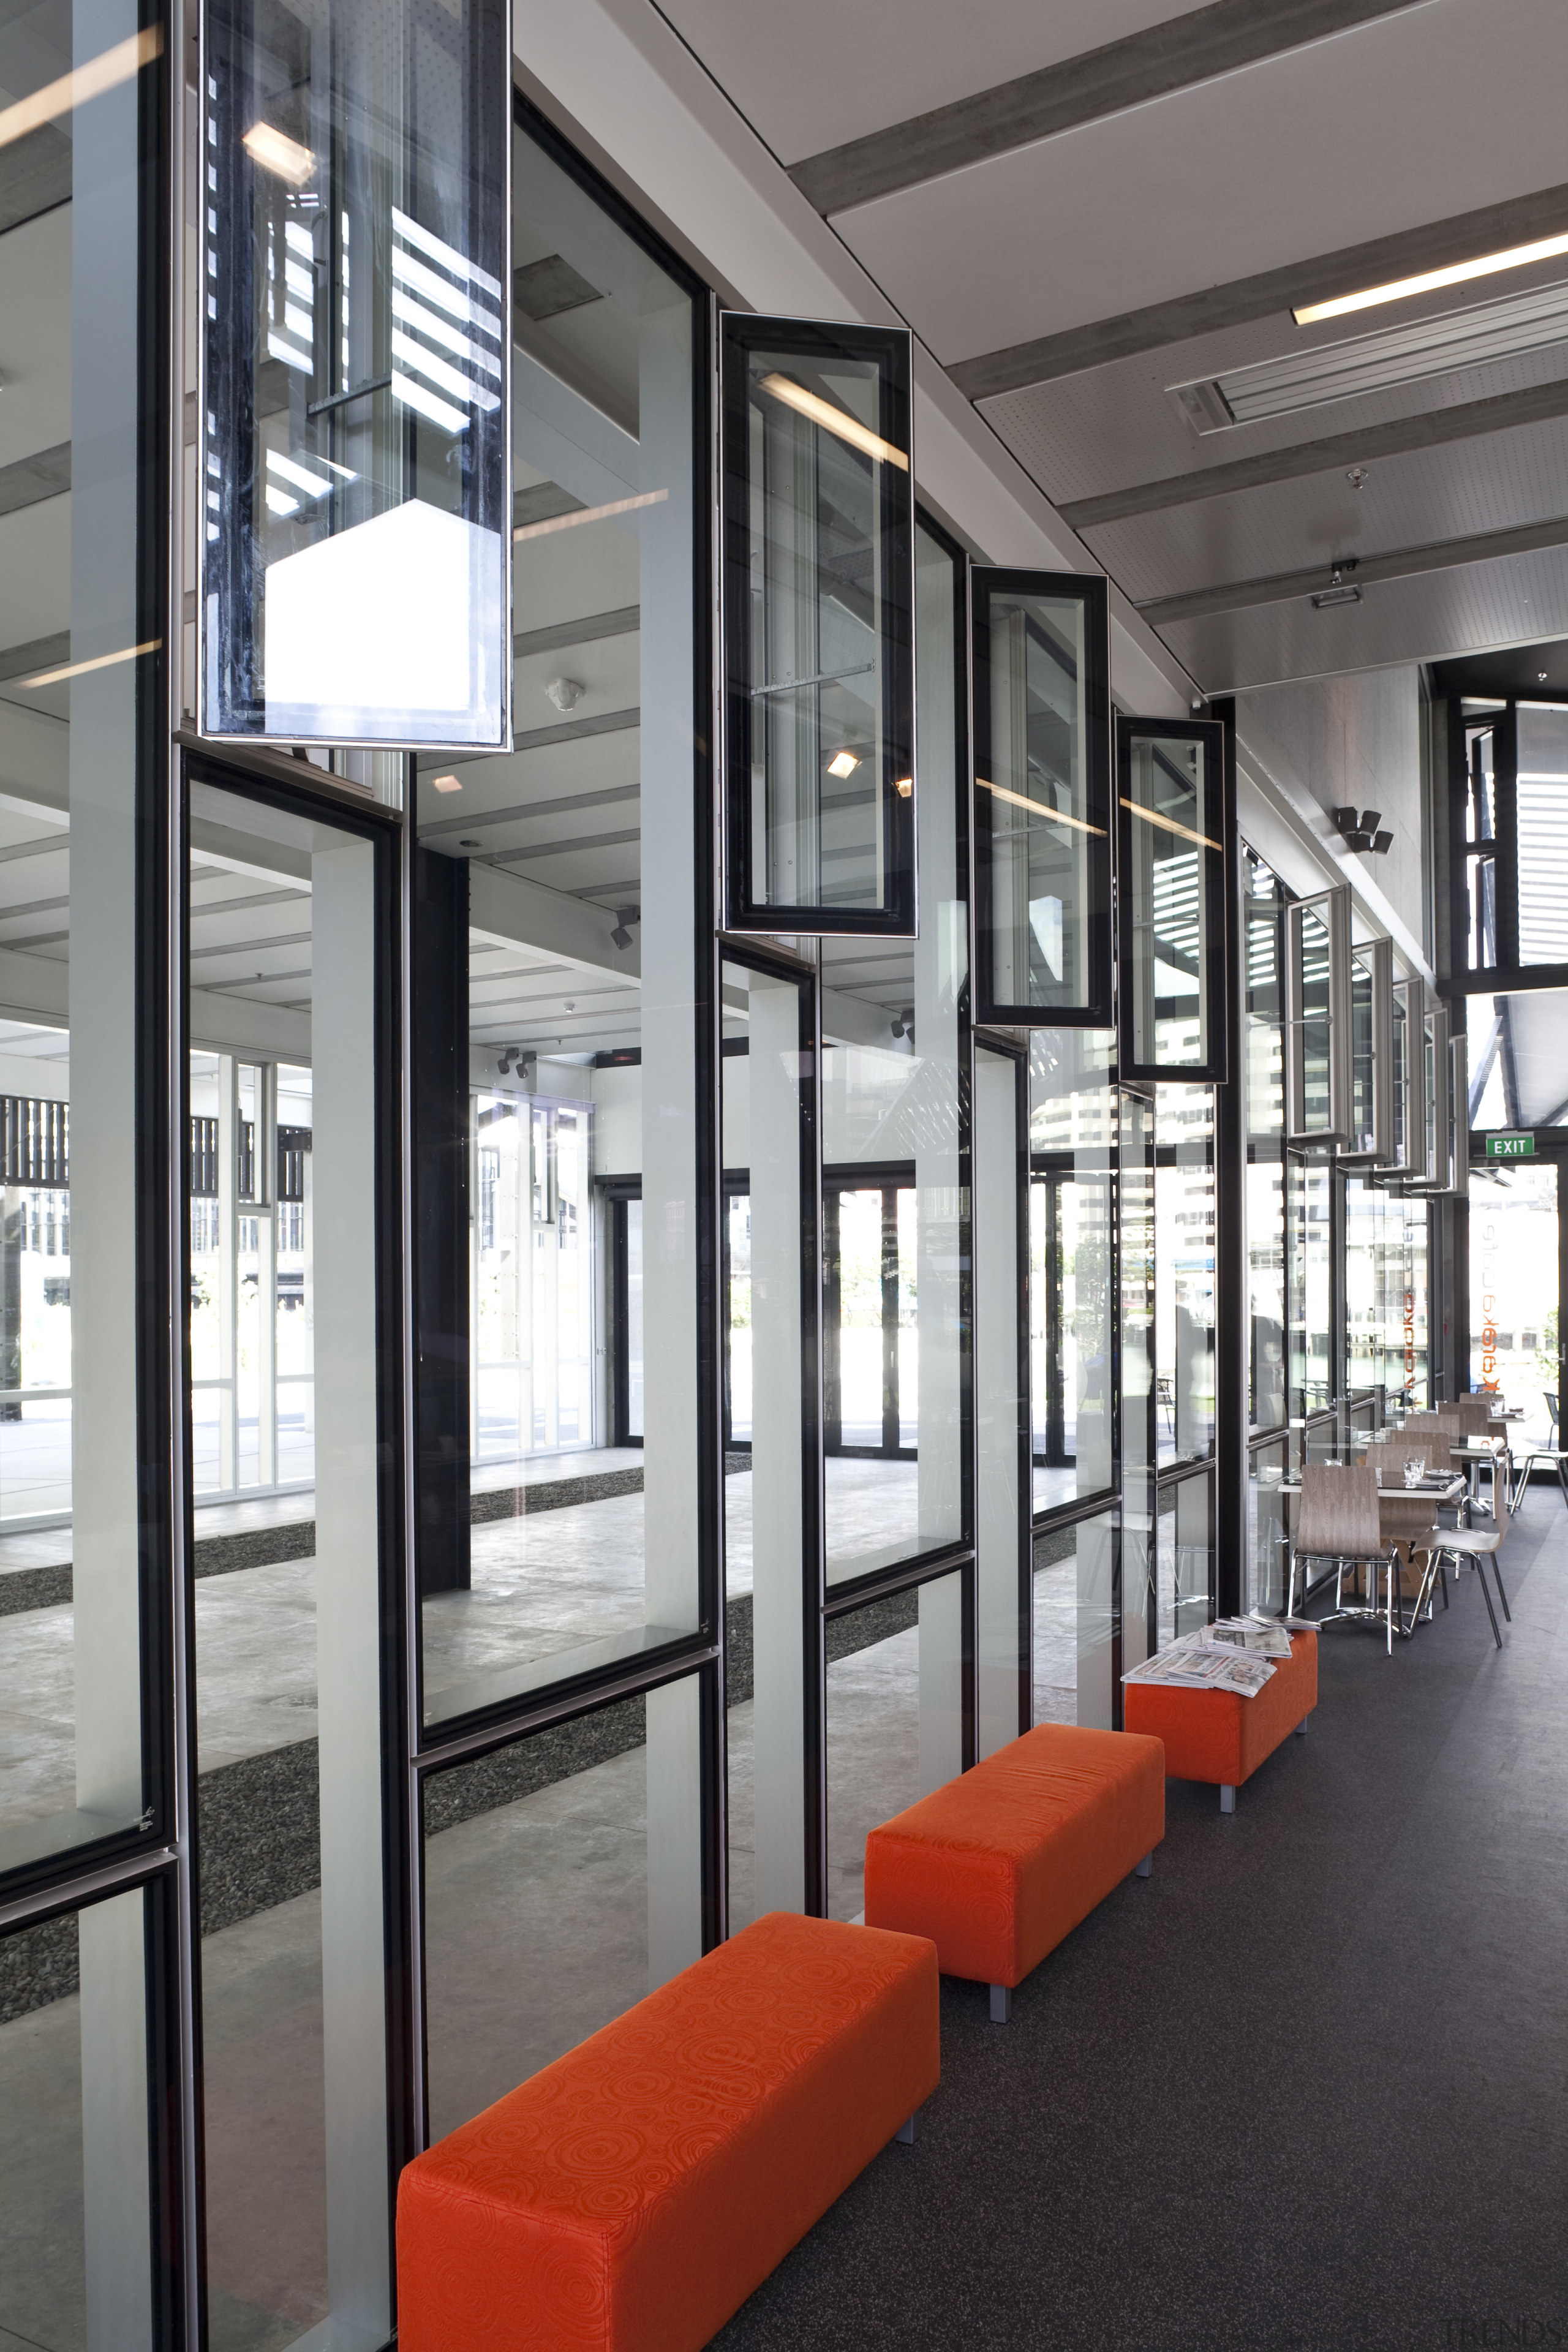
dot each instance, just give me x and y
(279, 154)
(842, 764)
(1504, 328)
(1515, 257)
(467, 844)
(904, 787)
(448, 784)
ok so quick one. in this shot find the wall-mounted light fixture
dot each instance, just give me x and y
(1360, 832)
(621, 937)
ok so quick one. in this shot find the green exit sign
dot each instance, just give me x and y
(1510, 1147)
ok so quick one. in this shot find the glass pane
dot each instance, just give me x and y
(1314, 1036)
(554, 1852)
(1365, 1283)
(1264, 946)
(1515, 1304)
(1541, 799)
(1071, 1122)
(289, 1728)
(1313, 1384)
(1077, 1618)
(356, 581)
(1185, 1557)
(1144, 1414)
(1362, 1050)
(553, 888)
(1184, 1273)
(854, 1336)
(82, 664)
(1040, 802)
(75, 2235)
(818, 621)
(1175, 862)
(895, 1721)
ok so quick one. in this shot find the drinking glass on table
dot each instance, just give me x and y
(1414, 1469)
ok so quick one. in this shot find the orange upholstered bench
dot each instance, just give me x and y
(1212, 1735)
(998, 1865)
(629, 2197)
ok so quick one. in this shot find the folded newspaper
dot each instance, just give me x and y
(1233, 1655)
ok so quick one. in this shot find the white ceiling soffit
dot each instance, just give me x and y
(812, 74)
(1515, 600)
(1367, 363)
(616, 75)
(1309, 151)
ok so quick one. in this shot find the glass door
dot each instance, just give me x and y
(1516, 1290)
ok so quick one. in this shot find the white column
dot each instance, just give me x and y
(1001, 1405)
(780, 1570)
(353, 1962)
(671, 1111)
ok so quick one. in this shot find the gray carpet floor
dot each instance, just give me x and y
(1303, 2089)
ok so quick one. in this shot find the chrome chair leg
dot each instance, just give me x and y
(1487, 1597)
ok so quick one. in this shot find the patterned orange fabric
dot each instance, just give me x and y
(1217, 1734)
(1001, 1864)
(629, 2197)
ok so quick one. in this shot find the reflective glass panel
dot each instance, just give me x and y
(355, 460)
(1076, 1622)
(818, 625)
(1184, 1562)
(1263, 923)
(1070, 1264)
(1514, 1306)
(547, 1867)
(1042, 802)
(1315, 1024)
(556, 902)
(1171, 827)
(1541, 803)
(895, 1720)
(1184, 1273)
(83, 671)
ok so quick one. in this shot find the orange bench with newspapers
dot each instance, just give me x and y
(634, 2193)
(997, 1867)
(1218, 1736)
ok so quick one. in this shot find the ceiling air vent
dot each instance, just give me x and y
(1489, 330)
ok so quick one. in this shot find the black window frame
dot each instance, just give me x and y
(1217, 880)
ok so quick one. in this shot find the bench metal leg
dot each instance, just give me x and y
(905, 2134)
(1226, 1798)
(1146, 1865)
(1001, 2004)
(1301, 1726)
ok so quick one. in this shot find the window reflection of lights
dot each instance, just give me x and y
(1039, 808)
(832, 420)
(121, 64)
(298, 280)
(447, 297)
(437, 371)
(298, 321)
(278, 154)
(279, 348)
(588, 514)
(413, 314)
(298, 476)
(449, 259)
(439, 412)
(279, 502)
(844, 764)
(297, 238)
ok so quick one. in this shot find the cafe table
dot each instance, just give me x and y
(1404, 1514)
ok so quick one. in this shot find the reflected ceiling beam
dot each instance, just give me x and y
(622, 623)
(1284, 587)
(38, 654)
(850, 1020)
(29, 480)
(34, 176)
(243, 1025)
(519, 811)
(513, 910)
(1186, 49)
(1540, 403)
(572, 845)
(34, 987)
(1436, 245)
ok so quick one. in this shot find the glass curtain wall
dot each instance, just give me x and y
(1072, 1264)
(86, 1417)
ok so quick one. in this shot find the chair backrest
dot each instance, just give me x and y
(1339, 1515)
(1551, 1396)
(1431, 1450)
(1444, 1424)
(1476, 1415)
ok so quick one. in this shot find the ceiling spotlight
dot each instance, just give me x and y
(1356, 477)
(1541, 677)
(904, 1023)
(844, 763)
(448, 784)
(626, 916)
(565, 693)
(509, 1054)
(466, 844)
(1360, 832)
(570, 1003)
(1339, 590)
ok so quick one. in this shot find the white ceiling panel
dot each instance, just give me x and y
(1513, 601)
(1301, 154)
(812, 74)
(1115, 425)
(1427, 495)
(34, 335)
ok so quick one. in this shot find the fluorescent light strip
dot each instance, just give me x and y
(834, 420)
(445, 298)
(413, 314)
(1155, 816)
(99, 661)
(1038, 808)
(276, 152)
(589, 514)
(1516, 257)
(440, 372)
(121, 64)
(446, 255)
(439, 412)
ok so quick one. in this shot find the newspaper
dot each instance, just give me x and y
(1193, 1661)
(1264, 1637)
